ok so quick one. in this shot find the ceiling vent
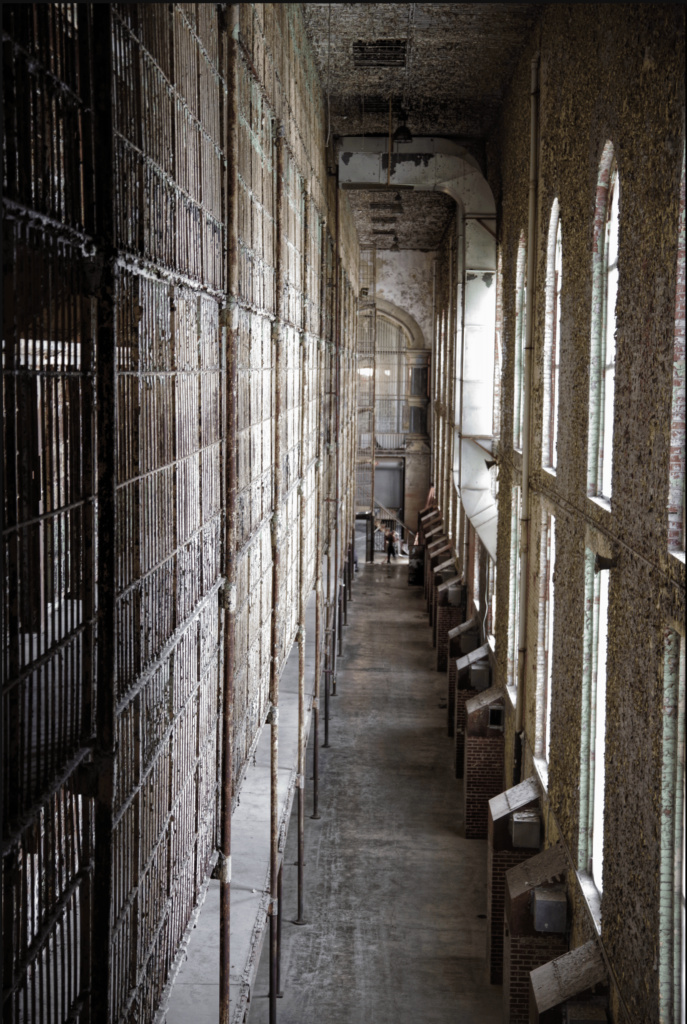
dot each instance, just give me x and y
(382, 53)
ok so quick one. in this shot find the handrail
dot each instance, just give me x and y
(392, 515)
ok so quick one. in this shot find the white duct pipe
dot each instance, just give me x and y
(525, 503)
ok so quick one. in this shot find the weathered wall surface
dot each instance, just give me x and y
(405, 278)
(607, 72)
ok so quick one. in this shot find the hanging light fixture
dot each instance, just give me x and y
(402, 133)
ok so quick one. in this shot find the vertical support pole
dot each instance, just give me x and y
(337, 421)
(106, 391)
(344, 588)
(305, 395)
(273, 718)
(280, 994)
(319, 535)
(525, 507)
(229, 42)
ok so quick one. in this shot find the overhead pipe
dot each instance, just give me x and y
(230, 38)
(527, 401)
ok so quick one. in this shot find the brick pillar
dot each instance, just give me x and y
(523, 954)
(483, 779)
(461, 696)
(502, 855)
(525, 949)
(484, 746)
(453, 648)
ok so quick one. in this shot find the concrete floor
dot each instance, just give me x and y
(396, 895)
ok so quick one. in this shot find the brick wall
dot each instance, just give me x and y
(448, 616)
(459, 699)
(497, 865)
(483, 780)
(523, 954)
(452, 678)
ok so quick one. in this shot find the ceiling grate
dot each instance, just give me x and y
(382, 53)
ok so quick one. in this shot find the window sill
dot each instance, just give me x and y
(603, 503)
(550, 470)
(592, 898)
(679, 555)
(512, 692)
(542, 769)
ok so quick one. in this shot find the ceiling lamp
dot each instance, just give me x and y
(402, 133)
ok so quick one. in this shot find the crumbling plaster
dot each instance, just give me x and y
(607, 71)
(405, 279)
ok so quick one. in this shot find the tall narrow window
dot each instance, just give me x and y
(514, 589)
(593, 742)
(602, 362)
(676, 498)
(671, 968)
(545, 637)
(520, 334)
(554, 280)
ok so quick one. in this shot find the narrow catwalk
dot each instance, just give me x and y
(396, 895)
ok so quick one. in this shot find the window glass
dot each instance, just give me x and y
(671, 967)
(593, 724)
(514, 589)
(599, 730)
(548, 640)
(606, 451)
(605, 248)
(676, 482)
(554, 281)
(520, 334)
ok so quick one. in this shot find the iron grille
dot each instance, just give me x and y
(382, 53)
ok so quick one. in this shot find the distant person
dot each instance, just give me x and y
(390, 545)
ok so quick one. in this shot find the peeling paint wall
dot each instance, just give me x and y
(406, 279)
(607, 72)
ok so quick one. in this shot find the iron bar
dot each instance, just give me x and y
(230, 125)
(277, 529)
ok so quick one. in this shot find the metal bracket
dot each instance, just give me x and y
(273, 907)
(272, 716)
(316, 703)
(300, 782)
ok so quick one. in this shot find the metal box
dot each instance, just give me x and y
(525, 829)
(550, 910)
(480, 676)
(585, 1013)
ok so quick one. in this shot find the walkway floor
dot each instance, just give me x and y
(396, 895)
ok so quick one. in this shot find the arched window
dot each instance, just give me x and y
(602, 361)
(554, 279)
(520, 333)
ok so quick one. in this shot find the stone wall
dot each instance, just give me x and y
(608, 72)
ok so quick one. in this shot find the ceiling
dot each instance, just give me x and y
(447, 65)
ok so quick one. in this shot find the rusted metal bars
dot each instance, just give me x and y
(304, 361)
(319, 540)
(104, 754)
(229, 43)
(277, 530)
